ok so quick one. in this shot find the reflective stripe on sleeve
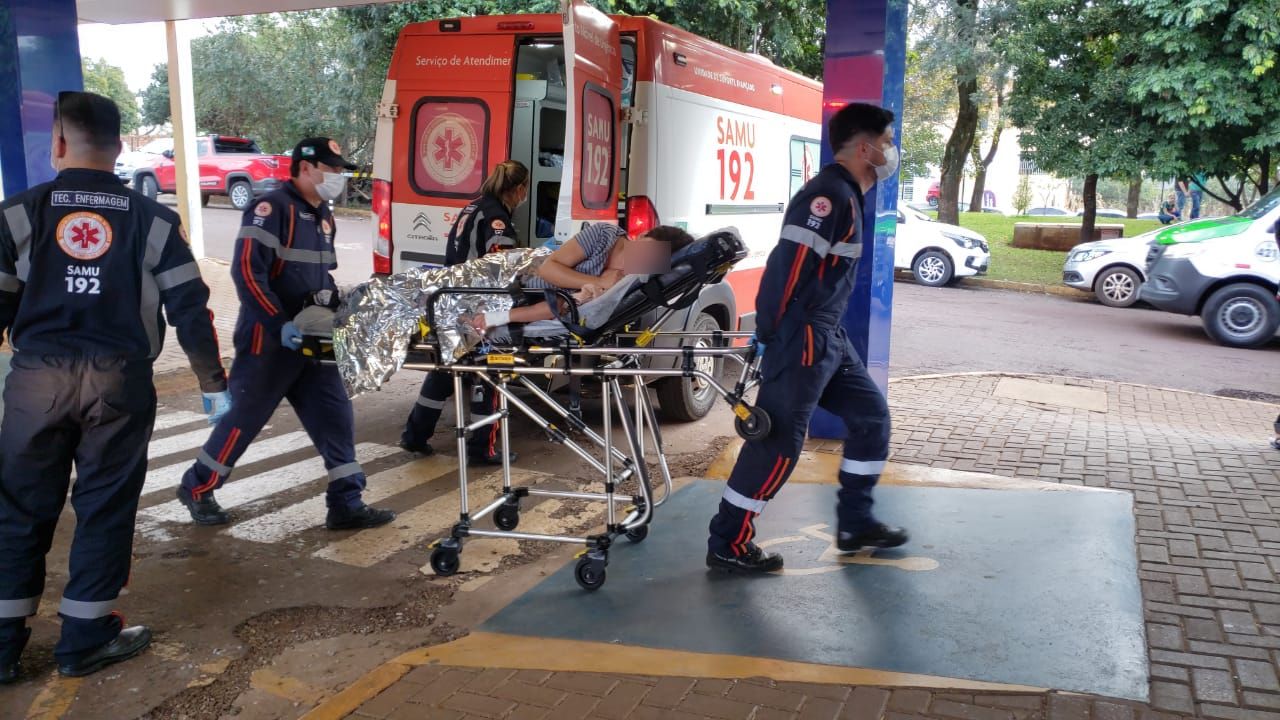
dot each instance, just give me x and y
(82, 610)
(20, 228)
(150, 298)
(853, 251)
(806, 237)
(176, 276)
(862, 467)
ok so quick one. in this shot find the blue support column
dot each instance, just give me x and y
(866, 62)
(39, 56)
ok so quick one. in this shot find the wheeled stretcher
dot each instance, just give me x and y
(605, 341)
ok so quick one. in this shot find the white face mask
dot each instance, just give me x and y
(332, 187)
(890, 166)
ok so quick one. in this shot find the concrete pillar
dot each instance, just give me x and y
(39, 57)
(182, 108)
(866, 62)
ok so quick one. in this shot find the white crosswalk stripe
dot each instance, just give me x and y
(256, 487)
(170, 475)
(189, 440)
(175, 419)
(279, 525)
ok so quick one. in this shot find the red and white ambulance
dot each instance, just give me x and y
(620, 119)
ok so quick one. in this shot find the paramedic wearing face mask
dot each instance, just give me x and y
(808, 360)
(283, 256)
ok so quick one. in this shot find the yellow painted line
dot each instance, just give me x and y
(358, 693)
(819, 464)
(486, 650)
(288, 688)
(55, 698)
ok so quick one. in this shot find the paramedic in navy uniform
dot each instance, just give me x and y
(808, 360)
(283, 256)
(85, 267)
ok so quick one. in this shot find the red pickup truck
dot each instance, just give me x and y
(230, 166)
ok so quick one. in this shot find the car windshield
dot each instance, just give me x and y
(1264, 205)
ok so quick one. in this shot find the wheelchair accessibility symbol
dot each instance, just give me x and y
(832, 560)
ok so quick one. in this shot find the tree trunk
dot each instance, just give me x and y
(1266, 172)
(957, 151)
(980, 169)
(1135, 197)
(1090, 207)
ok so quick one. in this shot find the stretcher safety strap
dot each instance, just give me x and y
(806, 237)
(345, 471)
(737, 499)
(427, 402)
(182, 274)
(298, 255)
(20, 228)
(862, 467)
(83, 610)
(206, 460)
(20, 608)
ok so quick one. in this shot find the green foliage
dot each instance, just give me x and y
(1022, 196)
(928, 103)
(155, 98)
(108, 80)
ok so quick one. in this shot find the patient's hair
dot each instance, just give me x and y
(678, 238)
(507, 176)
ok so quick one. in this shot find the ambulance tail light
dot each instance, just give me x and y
(382, 246)
(642, 216)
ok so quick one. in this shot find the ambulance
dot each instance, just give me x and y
(620, 119)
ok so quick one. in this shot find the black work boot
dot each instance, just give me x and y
(753, 561)
(360, 518)
(206, 510)
(128, 643)
(876, 535)
(418, 448)
(9, 672)
(494, 459)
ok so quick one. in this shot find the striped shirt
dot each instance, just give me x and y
(597, 242)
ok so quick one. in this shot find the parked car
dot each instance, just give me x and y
(1047, 211)
(1106, 213)
(1226, 270)
(129, 163)
(1113, 270)
(230, 166)
(937, 253)
(932, 196)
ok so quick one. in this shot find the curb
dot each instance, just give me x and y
(993, 284)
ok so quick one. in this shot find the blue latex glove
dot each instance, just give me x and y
(291, 336)
(759, 345)
(217, 404)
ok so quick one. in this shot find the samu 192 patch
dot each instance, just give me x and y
(84, 235)
(263, 209)
(498, 226)
(820, 207)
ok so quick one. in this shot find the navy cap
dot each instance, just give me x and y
(321, 150)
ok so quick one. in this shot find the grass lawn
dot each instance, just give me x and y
(1032, 266)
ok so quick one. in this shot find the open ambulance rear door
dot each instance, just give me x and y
(593, 68)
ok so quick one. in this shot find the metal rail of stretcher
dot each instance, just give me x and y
(500, 368)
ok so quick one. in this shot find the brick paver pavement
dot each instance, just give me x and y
(224, 304)
(1207, 499)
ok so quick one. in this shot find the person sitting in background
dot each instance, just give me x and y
(1169, 211)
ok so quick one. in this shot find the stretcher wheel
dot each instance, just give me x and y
(507, 517)
(638, 534)
(589, 573)
(445, 561)
(755, 427)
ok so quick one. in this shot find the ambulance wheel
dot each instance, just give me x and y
(637, 535)
(755, 427)
(241, 194)
(687, 399)
(507, 517)
(589, 576)
(445, 561)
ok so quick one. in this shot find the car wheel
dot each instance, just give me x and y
(1241, 315)
(204, 199)
(689, 399)
(1117, 287)
(932, 268)
(241, 194)
(933, 202)
(146, 185)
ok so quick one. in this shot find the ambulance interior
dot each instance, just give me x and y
(539, 128)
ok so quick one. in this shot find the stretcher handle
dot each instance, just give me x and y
(573, 324)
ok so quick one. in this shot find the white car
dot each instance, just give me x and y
(1113, 270)
(937, 253)
(128, 164)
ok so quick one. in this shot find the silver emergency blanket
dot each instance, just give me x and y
(377, 319)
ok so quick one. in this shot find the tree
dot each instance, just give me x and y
(1070, 96)
(1207, 71)
(155, 98)
(106, 79)
(995, 119)
(927, 105)
(1022, 197)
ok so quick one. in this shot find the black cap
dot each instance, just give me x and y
(321, 150)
